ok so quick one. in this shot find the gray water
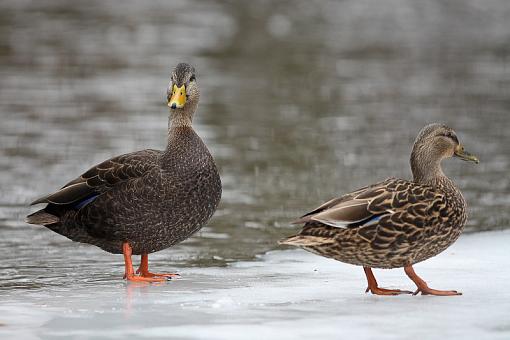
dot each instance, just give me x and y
(300, 101)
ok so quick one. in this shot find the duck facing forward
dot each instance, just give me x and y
(144, 201)
(394, 223)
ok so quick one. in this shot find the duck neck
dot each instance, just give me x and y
(183, 117)
(180, 129)
(426, 169)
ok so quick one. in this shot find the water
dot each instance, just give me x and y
(300, 101)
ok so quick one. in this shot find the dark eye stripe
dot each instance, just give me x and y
(451, 136)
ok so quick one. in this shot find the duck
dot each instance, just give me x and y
(144, 201)
(395, 223)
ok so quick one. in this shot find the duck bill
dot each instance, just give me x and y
(178, 98)
(464, 155)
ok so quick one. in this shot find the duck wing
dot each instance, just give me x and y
(103, 177)
(394, 200)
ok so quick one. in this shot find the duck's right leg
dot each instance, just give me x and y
(374, 289)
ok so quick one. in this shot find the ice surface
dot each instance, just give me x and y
(288, 294)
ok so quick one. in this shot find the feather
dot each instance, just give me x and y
(41, 217)
(394, 223)
(103, 177)
(306, 241)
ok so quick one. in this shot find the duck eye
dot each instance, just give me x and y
(192, 78)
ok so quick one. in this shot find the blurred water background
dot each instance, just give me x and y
(300, 101)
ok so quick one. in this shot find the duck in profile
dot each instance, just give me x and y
(395, 223)
(144, 201)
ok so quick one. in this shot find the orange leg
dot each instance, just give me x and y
(424, 288)
(374, 289)
(143, 270)
(129, 273)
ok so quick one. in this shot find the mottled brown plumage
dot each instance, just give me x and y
(394, 223)
(149, 199)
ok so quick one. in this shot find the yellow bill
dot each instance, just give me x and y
(178, 98)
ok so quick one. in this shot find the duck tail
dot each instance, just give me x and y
(305, 241)
(42, 217)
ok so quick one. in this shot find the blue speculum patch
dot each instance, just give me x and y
(84, 202)
(374, 219)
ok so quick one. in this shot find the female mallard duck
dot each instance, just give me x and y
(395, 223)
(144, 201)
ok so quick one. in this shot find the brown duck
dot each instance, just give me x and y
(394, 223)
(144, 201)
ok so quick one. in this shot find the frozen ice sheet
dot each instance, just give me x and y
(286, 294)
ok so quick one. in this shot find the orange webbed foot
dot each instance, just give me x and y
(384, 291)
(374, 288)
(430, 291)
(136, 278)
(423, 288)
(148, 274)
(129, 273)
(143, 270)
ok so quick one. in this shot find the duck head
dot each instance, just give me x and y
(434, 143)
(182, 92)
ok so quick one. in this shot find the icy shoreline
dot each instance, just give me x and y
(285, 295)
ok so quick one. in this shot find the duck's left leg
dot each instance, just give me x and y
(143, 270)
(423, 287)
(374, 289)
(129, 274)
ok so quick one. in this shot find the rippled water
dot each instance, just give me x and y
(300, 101)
